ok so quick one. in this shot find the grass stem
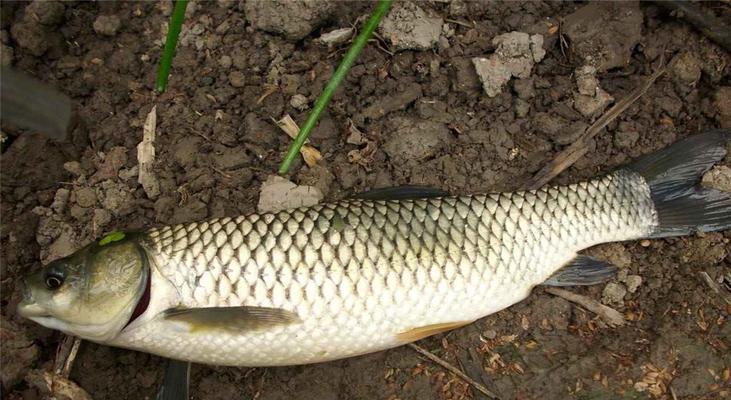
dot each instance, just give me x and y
(176, 22)
(332, 85)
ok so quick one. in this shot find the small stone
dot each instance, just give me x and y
(85, 197)
(586, 80)
(633, 282)
(225, 62)
(237, 79)
(493, 73)
(645, 243)
(60, 200)
(336, 37)
(101, 217)
(107, 25)
(613, 294)
(719, 178)
(78, 213)
(299, 102)
(522, 108)
(489, 334)
(129, 173)
(591, 107)
(686, 68)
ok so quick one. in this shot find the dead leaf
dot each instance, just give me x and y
(310, 154)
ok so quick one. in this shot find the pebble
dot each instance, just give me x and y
(85, 197)
(686, 68)
(299, 102)
(225, 62)
(613, 294)
(107, 25)
(645, 243)
(237, 79)
(336, 37)
(101, 217)
(60, 200)
(633, 282)
(719, 178)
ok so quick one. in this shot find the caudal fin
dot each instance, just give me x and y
(674, 174)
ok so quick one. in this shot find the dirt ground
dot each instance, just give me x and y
(427, 117)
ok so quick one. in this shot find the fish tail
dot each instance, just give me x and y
(673, 174)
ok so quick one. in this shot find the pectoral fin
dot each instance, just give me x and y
(175, 382)
(582, 271)
(231, 318)
(421, 332)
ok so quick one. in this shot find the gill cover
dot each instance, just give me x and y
(92, 293)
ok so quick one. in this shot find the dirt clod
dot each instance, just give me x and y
(293, 19)
(46, 12)
(414, 141)
(608, 44)
(278, 194)
(408, 27)
(613, 294)
(19, 352)
(514, 57)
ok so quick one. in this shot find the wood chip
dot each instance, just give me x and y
(146, 156)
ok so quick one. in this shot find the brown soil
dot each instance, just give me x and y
(432, 124)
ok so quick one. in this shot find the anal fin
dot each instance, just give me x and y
(582, 271)
(421, 332)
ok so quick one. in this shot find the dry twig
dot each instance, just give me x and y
(571, 154)
(715, 287)
(608, 314)
(65, 355)
(451, 368)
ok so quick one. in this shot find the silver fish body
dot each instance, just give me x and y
(361, 274)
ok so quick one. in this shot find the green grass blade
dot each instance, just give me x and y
(327, 93)
(176, 22)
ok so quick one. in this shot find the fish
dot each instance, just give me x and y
(368, 273)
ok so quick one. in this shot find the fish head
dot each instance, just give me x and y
(91, 294)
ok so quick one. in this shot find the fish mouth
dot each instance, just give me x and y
(27, 308)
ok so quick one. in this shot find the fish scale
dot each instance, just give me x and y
(360, 272)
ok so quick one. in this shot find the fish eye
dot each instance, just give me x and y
(53, 281)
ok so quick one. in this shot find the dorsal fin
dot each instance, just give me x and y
(401, 193)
